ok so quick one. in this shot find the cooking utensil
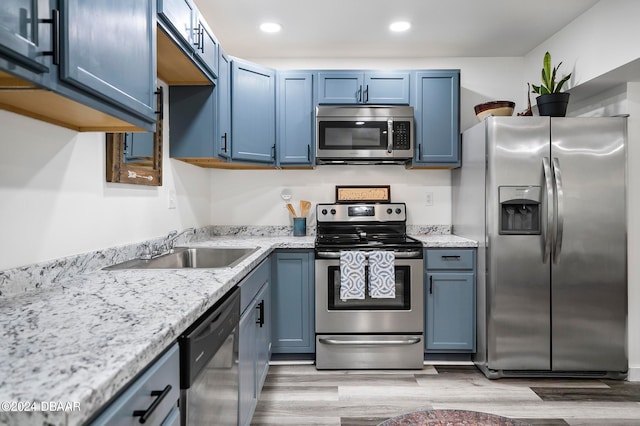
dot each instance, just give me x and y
(305, 206)
(291, 210)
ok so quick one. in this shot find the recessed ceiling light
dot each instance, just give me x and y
(400, 26)
(270, 27)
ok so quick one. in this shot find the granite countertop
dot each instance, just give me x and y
(77, 343)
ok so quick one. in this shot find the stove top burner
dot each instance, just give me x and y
(363, 227)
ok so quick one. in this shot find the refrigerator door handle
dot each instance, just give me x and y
(548, 183)
(557, 174)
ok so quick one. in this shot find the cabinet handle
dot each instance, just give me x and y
(201, 42)
(145, 414)
(359, 95)
(419, 152)
(55, 36)
(273, 151)
(430, 284)
(309, 153)
(260, 308)
(451, 257)
(198, 34)
(224, 147)
(366, 94)
(160, 93)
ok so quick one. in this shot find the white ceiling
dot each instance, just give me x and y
(359, 28)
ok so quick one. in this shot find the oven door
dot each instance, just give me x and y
(402, 314)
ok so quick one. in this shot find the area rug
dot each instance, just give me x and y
(450, 418)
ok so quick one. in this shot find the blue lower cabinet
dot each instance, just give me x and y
(295, 129)
(253, 109)
(254, 341)
(293, 302)
(450, 300)
(158, 386)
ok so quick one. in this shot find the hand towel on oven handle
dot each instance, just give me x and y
(382, 274)
(352, 275)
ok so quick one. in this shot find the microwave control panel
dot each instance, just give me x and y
(401, 134)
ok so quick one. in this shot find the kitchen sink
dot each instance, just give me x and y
(190, 257)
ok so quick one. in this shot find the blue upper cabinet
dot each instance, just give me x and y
(358, 87)
(205, 44)
(386, 88)
(223, 89)
(340, 87)
(178, 16)
(183, 26)
(25, 42)
(295, 118)
(191, 122)
(95, 62)
(253, 112)
(437, 118)
(101, 76)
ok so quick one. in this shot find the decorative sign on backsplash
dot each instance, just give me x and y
(363, 194)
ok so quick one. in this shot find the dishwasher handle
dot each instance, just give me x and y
(145, 414)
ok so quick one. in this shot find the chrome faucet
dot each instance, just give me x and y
(153, 249)
(170, 239)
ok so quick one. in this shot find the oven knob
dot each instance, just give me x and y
(389, 211)
(324, 211)
(398, 211)
(333, 211)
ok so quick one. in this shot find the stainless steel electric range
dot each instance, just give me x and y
(368, 331)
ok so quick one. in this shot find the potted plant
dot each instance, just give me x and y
(551, 102)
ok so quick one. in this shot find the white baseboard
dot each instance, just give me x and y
(634, 374)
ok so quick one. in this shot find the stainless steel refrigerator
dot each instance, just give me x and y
(545, 198)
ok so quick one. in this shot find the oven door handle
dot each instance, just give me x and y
(413, 254)
(409, 341)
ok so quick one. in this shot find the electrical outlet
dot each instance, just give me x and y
(429, 199)
(172, 199)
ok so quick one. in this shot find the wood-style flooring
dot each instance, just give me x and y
(302, 395)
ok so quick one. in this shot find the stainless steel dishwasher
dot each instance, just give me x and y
(209, 366)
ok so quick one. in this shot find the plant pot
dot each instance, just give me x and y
(553, 104)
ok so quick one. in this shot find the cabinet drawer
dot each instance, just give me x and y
(449, 259)
(163, 375)
(252, 283)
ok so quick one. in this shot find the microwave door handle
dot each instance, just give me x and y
(390, 136)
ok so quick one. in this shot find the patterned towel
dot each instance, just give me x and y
(382, 275)
(352, 275)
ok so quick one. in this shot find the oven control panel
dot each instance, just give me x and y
(387, 212)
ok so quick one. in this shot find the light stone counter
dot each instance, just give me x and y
(444, 241)
(83, 339)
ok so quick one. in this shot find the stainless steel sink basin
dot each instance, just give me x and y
(190, 257)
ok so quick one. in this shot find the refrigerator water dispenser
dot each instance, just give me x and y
(520, 210)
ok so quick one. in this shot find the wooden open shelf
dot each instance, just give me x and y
(215, 163)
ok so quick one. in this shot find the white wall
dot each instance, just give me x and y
(55, 201)
(600, 40)
(253, 197)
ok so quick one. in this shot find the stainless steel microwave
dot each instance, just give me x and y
(364, 134)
